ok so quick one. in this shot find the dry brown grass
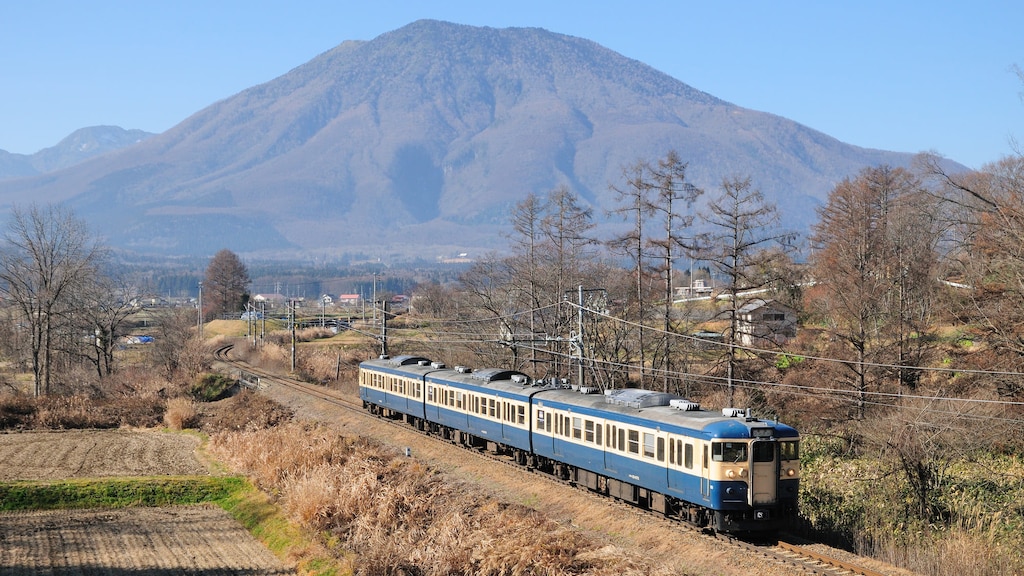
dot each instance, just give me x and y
(180, 413)
(399, 516)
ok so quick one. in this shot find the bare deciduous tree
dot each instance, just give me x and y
(48, 257)
(873, 252)
(741, 247)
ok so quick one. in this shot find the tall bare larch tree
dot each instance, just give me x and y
(225, 286)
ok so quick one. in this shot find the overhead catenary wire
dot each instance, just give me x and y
(841, 394)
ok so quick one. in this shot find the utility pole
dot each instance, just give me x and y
(291, 306)
(383, 328)
(576, 337)
(199, 327)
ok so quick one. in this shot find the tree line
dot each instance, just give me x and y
(67, 304)
(897, 256)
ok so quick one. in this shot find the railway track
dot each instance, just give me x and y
(786, 550)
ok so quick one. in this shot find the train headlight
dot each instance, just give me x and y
(791, 472)
(743, 473)
(730, 473)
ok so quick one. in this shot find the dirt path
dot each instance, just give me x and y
(113, 542)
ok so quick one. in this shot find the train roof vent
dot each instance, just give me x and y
(424, 363)
(684, 405)
(520, 378)
(734, 412)
(636, 398)
(437, 365)
(589, 389)
(406, 360)
(463, 369)
(492, 374)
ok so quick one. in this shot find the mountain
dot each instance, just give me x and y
(419, 142)
(81, 145)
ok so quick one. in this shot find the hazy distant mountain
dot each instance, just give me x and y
(420, 141)
(81, 145)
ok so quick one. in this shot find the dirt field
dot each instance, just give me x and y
(156, 541)
(97, 453)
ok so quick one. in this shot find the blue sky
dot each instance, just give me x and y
(904, 76)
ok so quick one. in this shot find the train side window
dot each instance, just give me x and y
(648, 445)
(458, 400)
(430, 394)
(661, 450)
(634, 441)
(671, 450)
(688, 456)
(548, 428)
(577, 428)
(705, 463)
(622, 439)
(588, 430)
(597, 437)
(490, 406)
(522, 414)
(540, 419)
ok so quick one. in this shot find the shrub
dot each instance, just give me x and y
(212, 387)
(180, 414)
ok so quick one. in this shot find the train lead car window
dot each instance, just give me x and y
(764, 451)
(789, 451)
(729, 451)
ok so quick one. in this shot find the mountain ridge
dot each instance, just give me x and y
(421, 140)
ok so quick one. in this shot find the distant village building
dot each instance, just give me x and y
(349, 300)
(271, 300)
(697, 289)
(765, 321)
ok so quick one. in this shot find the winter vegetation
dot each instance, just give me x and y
(902, 368)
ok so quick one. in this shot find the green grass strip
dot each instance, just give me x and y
(118, 492)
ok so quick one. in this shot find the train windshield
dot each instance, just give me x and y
(764, 451)
(729, 451)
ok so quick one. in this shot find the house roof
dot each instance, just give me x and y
(759, 303)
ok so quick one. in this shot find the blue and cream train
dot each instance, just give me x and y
(723, 470)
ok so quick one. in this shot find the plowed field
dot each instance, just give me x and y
(112, 542)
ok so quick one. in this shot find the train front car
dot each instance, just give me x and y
(717, 469)
(749, 473)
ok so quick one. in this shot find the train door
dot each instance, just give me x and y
(764, 473)
(705, 472)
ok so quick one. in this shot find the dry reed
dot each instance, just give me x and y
(181, 413)
(399, 516)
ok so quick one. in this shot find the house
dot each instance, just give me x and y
(760, 322)
(696, 289)
(349, 299)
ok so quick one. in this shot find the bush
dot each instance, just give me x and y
(212, 387)
(180, 414)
